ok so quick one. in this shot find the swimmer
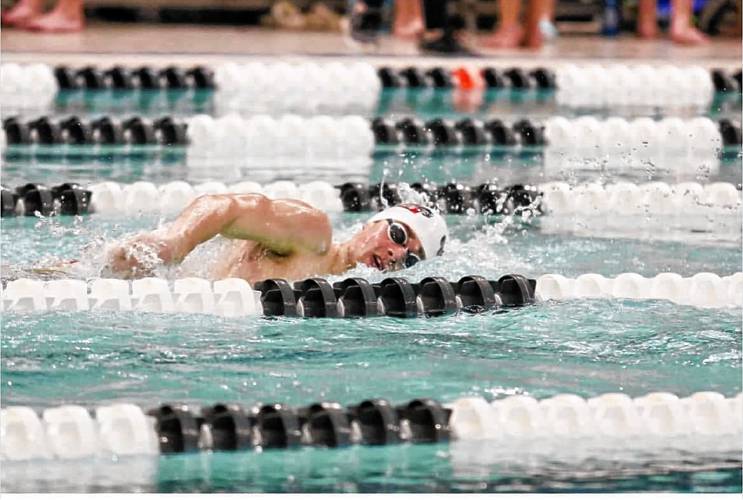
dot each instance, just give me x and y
(282, 239)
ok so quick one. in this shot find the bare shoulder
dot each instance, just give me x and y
(280, 206)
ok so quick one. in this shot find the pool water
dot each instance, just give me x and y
(542, 351)
(57, 165)
(456, 467)
(489, 246)
(584, 347)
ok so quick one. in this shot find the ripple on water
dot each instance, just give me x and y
(475, 248)
(584, 346)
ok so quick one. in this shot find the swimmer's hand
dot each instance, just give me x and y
(138, 257)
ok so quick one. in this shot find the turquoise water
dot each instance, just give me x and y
(84, 165)
(480, 245)
(419, 468)
(457, 467)
(89, 358)
(586, 347)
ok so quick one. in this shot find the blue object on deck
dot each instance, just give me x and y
(610, 26)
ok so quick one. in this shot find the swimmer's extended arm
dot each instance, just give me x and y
(282, 226)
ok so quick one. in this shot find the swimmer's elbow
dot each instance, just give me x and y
(323, 233)
(226, 206)
(211, 203)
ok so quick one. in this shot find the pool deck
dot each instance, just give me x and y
(192, 44)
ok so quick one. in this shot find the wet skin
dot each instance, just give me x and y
(271, 239)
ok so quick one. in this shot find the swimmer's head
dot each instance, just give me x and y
(400, 236)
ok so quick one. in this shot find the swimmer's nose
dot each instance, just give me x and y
(397, 255)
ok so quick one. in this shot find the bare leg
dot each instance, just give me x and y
(547, 21)
(22, 12)
(67, 16)
(510, 33)
(408, 18)
(647, 19)
(682, 31)
(549, 10)
(535, 13)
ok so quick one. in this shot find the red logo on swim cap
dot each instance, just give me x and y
(417, 209)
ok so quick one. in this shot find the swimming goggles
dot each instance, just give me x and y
(397, 233)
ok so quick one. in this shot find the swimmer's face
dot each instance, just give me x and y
(374, 247)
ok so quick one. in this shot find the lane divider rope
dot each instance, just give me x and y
(74, 432)
(113, 198)
(350, 136)
(356, 297)
(17, 78)
(555, 198)
(309, 298)
(341, 87)
(233, 77)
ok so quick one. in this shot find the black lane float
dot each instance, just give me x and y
(37, 199)
(142, 77)
(105, 131)
(395, 296)
(451, 198)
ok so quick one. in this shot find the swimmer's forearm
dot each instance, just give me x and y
(203, 219)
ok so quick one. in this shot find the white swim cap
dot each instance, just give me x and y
(429, 226)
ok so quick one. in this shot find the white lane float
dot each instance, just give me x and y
(611, 421)
(705, 290)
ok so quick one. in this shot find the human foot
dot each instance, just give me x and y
(446, 43)
(408, 30)
(506, 37)
(647, 30)
(688, 35)
(533, 39)
(288, 16)
(21, 13)
(57, 22)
